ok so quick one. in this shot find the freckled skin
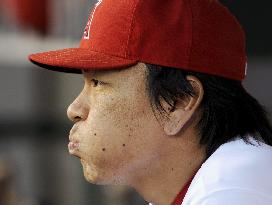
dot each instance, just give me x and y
(113, 114)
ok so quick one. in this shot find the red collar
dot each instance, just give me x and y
(179, 198)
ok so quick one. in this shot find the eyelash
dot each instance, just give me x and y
(97, 82)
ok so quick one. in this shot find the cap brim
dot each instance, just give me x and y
(74, 60)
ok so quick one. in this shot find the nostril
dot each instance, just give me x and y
(77, 118)
(73, 113)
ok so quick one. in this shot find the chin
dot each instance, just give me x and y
(94, 176)
(91, 174)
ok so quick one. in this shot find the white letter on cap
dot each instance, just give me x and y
(88, 26)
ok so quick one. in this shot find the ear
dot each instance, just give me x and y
(184, 109)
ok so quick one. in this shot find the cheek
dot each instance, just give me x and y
(108, 132)
(114, 112)
(117, 134)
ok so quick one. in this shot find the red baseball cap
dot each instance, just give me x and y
(195, 35)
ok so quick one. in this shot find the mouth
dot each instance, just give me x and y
(73, 148)
(73, 145)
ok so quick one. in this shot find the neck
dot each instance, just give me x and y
(160, 182)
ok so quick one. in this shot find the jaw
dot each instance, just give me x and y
(90, 174)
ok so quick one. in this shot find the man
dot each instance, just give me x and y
(163, 109)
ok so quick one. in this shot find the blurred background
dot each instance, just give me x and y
(35, 167)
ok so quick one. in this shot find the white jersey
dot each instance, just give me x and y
(237, 173)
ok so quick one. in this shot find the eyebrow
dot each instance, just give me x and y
(101, 73)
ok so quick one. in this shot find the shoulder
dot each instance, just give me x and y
(236, 171)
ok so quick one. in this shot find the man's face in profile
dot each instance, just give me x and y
(115, 135)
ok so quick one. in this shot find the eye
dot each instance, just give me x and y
(97, 82)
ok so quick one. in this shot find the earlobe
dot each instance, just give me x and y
(181, 116)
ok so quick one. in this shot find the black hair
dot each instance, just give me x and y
(227, 110)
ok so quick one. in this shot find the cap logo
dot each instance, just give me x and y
(87, 29)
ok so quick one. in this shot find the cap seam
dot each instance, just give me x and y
(131, 25)
(45, 55)
(110, 54)
(191, 42)
(64, 60)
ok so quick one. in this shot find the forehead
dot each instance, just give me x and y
(89, 73)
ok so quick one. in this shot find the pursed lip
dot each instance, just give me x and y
(73, 146)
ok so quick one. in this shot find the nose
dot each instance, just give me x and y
(78, 110)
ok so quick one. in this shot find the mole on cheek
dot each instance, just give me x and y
(95, 134)
(124, 145)
(104, 149)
